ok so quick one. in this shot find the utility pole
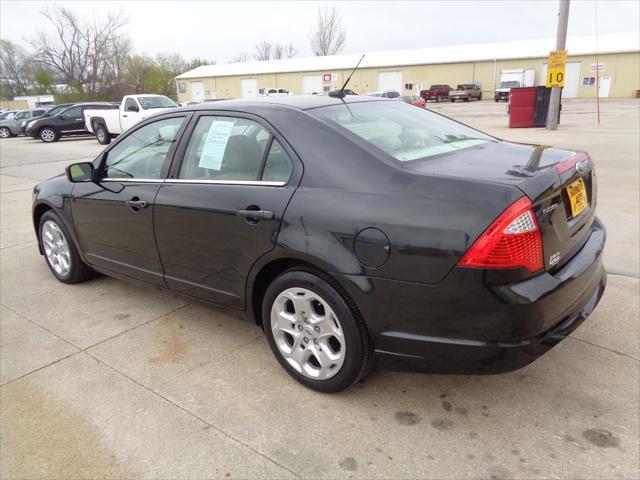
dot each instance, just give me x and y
(561, 40)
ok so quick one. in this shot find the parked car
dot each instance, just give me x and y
(29, 130)
(436, 92)
(133, 108)
(15, 123)
(502, 92)
(346, 91)
(465, 92)
(277, 92)
(413, 100)
(68, 122)
(411, 239)
(385, 94)
(8, 113)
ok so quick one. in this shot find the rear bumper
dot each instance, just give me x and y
(466, 325)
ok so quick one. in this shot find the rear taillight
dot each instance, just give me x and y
(512, 240)
(570, 163)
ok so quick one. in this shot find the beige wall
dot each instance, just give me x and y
(14, 104)
(624, 68)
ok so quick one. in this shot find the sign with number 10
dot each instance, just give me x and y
(556, 68)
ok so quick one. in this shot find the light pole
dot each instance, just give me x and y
(561, 40)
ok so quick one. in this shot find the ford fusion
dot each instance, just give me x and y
(354, 231)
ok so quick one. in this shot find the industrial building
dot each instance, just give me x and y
(614, 58)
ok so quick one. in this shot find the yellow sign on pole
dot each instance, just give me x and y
(556, 67)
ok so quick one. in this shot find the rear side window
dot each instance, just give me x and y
(400, 130)
(278, 166)
(227, 148)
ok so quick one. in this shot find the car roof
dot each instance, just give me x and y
(299, 102)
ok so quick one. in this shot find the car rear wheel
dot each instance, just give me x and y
(314, 331)
(102, 134)
(452, 100)
(59, 251)
(5, 132)
(48, 135)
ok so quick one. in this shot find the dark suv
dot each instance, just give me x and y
(69, 121)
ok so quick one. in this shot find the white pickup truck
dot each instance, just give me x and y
(106, 124)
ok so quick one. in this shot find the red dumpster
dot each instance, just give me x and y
(522, 107)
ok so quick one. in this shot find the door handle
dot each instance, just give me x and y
(135, 204)
(256, 215)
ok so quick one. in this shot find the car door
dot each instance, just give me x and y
(131, 114)
(221, 207)
(70, 120)
(113, 217)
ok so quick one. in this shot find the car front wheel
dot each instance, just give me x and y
(48, 135)
(59, 251)
(5, 132)
(315, 332)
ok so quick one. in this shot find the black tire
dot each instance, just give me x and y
(78, 270)
(48, 135)
(358, 359)
(479, 97)
(102, 134)
(452, 100)
(5, 132)
(466, 99)
(496, 100)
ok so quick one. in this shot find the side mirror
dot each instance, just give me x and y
(133, 108)
(80, 172)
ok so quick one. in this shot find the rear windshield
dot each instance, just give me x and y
(403, 131)
(510, 84)
(156, 102)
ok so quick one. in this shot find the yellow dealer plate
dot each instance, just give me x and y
(577, 197)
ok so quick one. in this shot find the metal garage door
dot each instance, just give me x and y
(390, 81)
(197, 91)
(571, 79)
(312, 84)
(249, 88)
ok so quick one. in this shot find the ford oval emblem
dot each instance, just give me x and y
(583, 166)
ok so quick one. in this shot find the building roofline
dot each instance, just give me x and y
(624, 42)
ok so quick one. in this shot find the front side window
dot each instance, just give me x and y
(402, 131)
(227, 148)
(156, 102)
(22, 115)
(73, 112)
(143, 152)
(130, 104)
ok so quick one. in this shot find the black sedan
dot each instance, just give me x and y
(352, 230)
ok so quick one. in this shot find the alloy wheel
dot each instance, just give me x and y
(308, 333)
(100, 134)
(4, 132)
(47, 135)
(56, 248)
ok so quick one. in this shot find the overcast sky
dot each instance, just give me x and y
(219, 30)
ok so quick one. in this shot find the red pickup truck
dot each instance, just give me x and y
(438, 93)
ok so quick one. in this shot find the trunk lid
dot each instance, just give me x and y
(532, 169)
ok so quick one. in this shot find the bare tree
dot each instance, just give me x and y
(328, 36)
(15, 69)
(263, 51)
(283, 51)
(241, 58)
(83, 53)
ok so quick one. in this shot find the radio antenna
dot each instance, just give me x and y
(340, 93)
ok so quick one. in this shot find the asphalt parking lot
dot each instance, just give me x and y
(108, 380)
